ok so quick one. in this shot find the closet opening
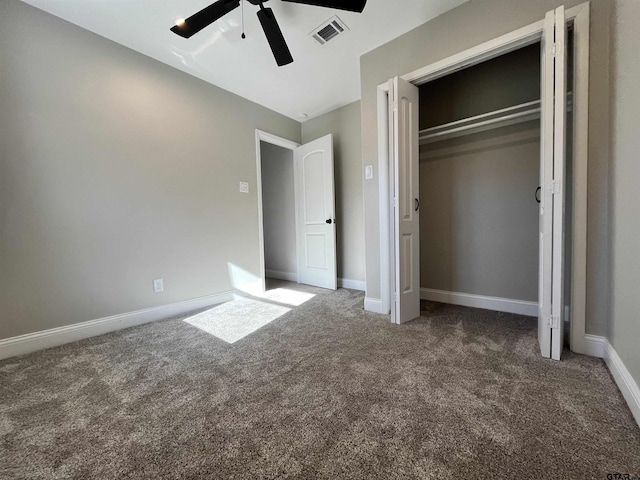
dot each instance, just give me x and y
(470, 138)
(479, 179)
(278, 212)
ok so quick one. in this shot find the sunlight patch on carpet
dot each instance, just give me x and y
(232, 321)
(286, 296)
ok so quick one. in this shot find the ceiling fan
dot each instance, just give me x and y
(213, 12)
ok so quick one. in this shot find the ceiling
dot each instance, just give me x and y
(321, 78)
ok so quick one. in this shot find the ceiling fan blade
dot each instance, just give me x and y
(274, 37)
(205, 17)
(351, 5)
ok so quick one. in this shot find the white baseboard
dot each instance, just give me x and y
(293, 277)
(595, 346)
(627, 385)
(352, 284)
(373, 305)
(288, 276)
(499, 304)
(10, 347)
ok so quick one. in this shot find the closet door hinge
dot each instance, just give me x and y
(556, 49)
(554, 187)
(553, 321)
(395, 202)
(394, 106)
(396, 297)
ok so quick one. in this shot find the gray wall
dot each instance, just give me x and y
(459, 29)
(344, 124)
(116, 169)
(278, 208)
(478, 215)
(625, 180)
(479, 221)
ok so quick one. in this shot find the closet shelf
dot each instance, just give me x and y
(480, 123)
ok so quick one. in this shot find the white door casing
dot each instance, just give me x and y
(316, 213)
(404, 117)
(552, 182)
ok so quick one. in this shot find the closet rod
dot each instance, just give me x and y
(486, 121)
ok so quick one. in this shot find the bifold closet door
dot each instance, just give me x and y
(403, 124)
(552, 181)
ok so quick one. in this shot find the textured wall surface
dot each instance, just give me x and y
(116, 169)
(478, 215)
(625, 179)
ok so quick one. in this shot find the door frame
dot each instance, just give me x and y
(579, 17)
(262, 136)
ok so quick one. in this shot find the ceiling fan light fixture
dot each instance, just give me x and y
(205, 17)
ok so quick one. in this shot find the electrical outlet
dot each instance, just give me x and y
(244, 187)
(158, 285)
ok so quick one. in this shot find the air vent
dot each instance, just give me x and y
(329, 30)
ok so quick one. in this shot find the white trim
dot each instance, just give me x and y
(352, 284)
(293, 277)
(577, 327)
(499, 304)
(10, 347)
(595, 346)
(481, 53)
(288, 276)
(373, 305)
(579, 15)
(262, 136)
(384, 202)
(491, 49)
(627, 385)
(275, 140)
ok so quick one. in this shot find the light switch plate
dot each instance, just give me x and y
(158, 285)
(244, 187)
(368, 172)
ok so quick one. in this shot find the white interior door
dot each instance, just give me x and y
(552, 181)
(316, 213)
(404, 109)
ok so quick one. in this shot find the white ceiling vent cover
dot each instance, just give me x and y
(328, 30)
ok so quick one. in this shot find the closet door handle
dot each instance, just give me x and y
(417, 204)
(329, 221)
(536, 195)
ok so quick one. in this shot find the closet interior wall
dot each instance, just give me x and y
(478, 215)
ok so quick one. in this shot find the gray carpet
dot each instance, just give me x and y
(325, 390)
